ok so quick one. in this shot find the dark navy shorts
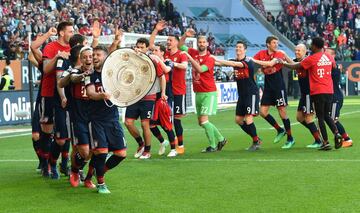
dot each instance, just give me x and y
(305, 104)
(107, 135)
(335, 109)
(248, 105)
(35, 122)
(179, 105)
(62, 123)
(142, 109)
(47, 110)
(274, 98)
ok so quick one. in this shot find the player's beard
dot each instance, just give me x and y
(202, 49)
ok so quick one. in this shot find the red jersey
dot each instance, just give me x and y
(49, 79)
(203, 82)
(273, 75)
(178, 85)
(319, 66)
(152, 93)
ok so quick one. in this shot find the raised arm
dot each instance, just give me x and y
(96, 32)
(117, 40)
(35, 45)
(188, 33)
(158, 27)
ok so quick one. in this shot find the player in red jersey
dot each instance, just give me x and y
(163, 119)
(319, 66)
(274, 91)
(51, 52)
(179, 84)
(144, 107)
(35, 57)
(205, 90)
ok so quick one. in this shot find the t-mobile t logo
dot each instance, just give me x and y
(321, 72)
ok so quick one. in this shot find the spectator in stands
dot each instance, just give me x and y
(357, 23)
(10, 53)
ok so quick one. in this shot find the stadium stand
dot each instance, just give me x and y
(136, 16)
(336, 21)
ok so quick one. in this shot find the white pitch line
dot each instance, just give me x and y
(197, 129)
(17, 135)
(214, 160)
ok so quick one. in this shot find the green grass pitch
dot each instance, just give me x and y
(233, 180)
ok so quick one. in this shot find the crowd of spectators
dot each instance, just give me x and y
(337, 21)
(19, 17)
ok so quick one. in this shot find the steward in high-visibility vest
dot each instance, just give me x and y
(5, 81)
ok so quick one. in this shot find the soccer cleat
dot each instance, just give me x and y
(74, 179)
(54, 173)
(102, 189)
(180, 150)
(64, 170)
(338, 141)
(163, 146)
(209, 149)
(45, 172)
(145, 155)
(172, 153)
(325, 147)
(279, 136)
(221, 144)
(82, 176)
(314, 145)
(288, 144)
(139, 151)
(89, 184)
(347, 143)
(254, 146)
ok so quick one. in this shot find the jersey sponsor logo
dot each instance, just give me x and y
(321, 73)
(97, 80)
(324, 61)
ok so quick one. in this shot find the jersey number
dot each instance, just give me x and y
(177, 109)
(280, 102)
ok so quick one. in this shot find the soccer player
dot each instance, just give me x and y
(144, 108)
(248, 101)
(164, 121)
(179, 85)
(35, 57)
(205, 90)
(319, 66)
(274, 91)
(107, 132)
(50, 55)
(80, 112)
(337, 101)
(305, 111)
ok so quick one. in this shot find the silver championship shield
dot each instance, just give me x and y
(128, 76)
